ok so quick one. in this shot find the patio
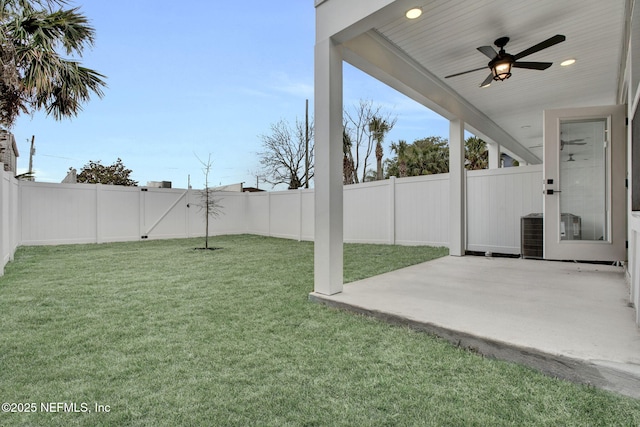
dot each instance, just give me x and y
(570, 320)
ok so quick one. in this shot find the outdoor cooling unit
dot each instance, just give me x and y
(531, 238)
(570, 227)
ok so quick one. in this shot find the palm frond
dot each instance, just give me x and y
(33, 74)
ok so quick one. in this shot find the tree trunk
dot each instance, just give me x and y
(379, 153)
(206, 221)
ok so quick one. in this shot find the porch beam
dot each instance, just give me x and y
(340, 21)
(376, 56)
(328, 247)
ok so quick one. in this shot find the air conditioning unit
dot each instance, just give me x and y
(531, 236)
(570, 227)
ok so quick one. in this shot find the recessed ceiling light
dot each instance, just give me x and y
(413, 13)
(568, 62)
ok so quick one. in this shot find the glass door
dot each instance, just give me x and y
(584, 187)
(584, 191)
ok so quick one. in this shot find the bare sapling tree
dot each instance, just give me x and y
(209, 202)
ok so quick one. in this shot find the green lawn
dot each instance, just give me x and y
(165, 335)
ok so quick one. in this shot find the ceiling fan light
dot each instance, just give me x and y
(501, 70)
(414, 13)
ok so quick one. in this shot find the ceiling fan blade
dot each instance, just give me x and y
(487, 81)
(533, 65)
(468, 71)
(558, 38)
(488, 51)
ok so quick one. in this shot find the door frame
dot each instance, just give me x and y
(613, 249)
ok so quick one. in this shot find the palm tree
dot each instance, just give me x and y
(398, 166)
(401, 149)
(349, 175)
(477, 156)
(33, 74)
(379, 128)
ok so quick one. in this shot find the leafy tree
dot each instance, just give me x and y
(362, 138)
(423, 157)
(97, 173)
(283, 157)
(34, 75)
(431, 156)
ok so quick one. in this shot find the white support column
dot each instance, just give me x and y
(328, 250)
(456, 188)
(494, 155)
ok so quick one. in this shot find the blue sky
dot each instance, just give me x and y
(197, 77)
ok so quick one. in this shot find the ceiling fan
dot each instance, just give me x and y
(502, 62)
(571, 142)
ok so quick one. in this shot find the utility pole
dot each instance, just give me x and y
(32, 152)
(306, 151)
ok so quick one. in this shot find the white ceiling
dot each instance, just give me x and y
(444, 41)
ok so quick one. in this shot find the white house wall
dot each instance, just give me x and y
(632, 80)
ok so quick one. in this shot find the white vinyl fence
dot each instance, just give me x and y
(496, 200)
(9, 208)
(406, 211)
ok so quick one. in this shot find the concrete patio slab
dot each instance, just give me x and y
(570, 320)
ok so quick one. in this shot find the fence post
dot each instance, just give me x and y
(4, 235)
(98, 208)
(141, 214)
(269, 213)
(392, 210)
(245, 205)
(12, 220)
(187, 205)
(300, 214)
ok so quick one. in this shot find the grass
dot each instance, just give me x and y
(166, 336)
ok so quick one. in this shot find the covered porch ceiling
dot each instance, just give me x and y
(414, 56)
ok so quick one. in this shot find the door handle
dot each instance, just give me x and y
(552, 191)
